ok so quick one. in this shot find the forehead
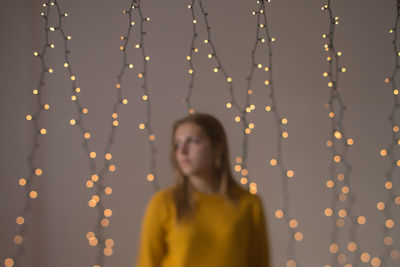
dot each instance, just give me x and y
(188, 129)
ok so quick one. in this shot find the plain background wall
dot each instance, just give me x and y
(60, 217)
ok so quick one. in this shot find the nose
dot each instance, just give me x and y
(183, 148)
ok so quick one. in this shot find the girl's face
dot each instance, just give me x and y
(193, 150)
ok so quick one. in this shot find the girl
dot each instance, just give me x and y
(205, 219)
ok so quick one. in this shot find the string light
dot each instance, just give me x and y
(264, 38)
(391, 152)
(341, 208)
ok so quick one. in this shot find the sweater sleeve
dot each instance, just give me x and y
(259, 245)
(152, 247)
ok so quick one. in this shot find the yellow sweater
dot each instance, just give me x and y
(219, 235)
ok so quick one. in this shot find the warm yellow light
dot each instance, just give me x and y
(290, 173)
(285, 134)
(92, 154)
(243, 180)
(251, 125)
(342, 213)
(388, 185)
(238, 168)
(337, 158)
(331, 114)
(330, 184)
(210, 56)
(35, 91)
(33, 194)
(228, 105)
(115, 123)
(112, 168)
(145, 97)
(376, 262)
(298, 236)
(279, 214)
(86, 135)
(229, 79)
(361, 220)
(108, 156)
(365, 257)
(266, 82)
(89, 184)
(338, 135)
(194, 21)
(147, 58)
(85, 110)
(215, 69)
(108, 212)
(140, 75)
(395, 254)
(329, 143)
(96, 198)
(108, 190)
(105, 222)
(328, 212)
(20, 220)
(387, 80)
(383, 152)
(8, 262)
(72, 122)
(190, 71)
(18, 239)
(388, 240)
(124, 101)
(38, 172)
(73, 97)
(93, 242)
(291, 263)
(330, 84)
(395, 91)
(293, 223)
(333, 248)
(268, 108)
(28, 117)
(342, 197)
(389, 223)
(237, 118)
(345, 189)
(92, 203)
(142, 126)
(152, 137)
(284, 121)
(191, 111)
(266, 68)
(73, 77)
(150, 177)
(397, 200)
(247, 131)
(350, 141)
(352, 246)
(22, 181)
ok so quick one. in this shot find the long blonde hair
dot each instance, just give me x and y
(183, 191)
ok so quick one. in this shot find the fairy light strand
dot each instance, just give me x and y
(34, 170)
(241, 161)
(341, 207)
(390, 253)
(263, 37)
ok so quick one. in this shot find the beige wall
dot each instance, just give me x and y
(60, 217)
